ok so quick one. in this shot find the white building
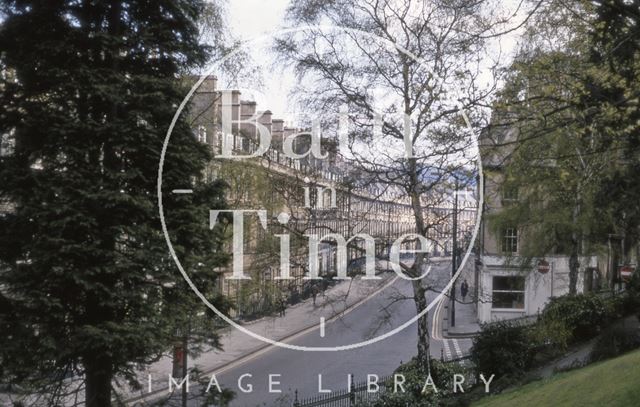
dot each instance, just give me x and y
(507, 285)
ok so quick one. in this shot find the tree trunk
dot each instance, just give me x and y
(98, 375)
(423, 328)
(574, 266)
(419, 294)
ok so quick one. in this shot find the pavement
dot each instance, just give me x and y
(466, 320)
(466, 315)
(237, 346)
(456, 341)
(372, 312)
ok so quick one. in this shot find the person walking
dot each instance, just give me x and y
(464, 289)
(314, 294)
(283, 306)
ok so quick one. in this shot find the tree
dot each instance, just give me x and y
(550, 167)
(550, 164)
(396, 67)
(571, 101)
(88, 288)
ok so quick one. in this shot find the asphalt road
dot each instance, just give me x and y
(300, 370)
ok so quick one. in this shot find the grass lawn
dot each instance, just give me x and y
(615, 382)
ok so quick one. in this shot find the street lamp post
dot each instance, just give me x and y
(454, 253)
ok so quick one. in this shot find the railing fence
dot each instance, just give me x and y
(359, 391)
(347, 397)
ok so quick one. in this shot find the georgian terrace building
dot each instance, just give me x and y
(318, 196)
(508, 287)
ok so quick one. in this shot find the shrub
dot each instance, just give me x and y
(502, 348)
(634, 284)
(625, 304)
(584, 315)
(442, 375)
(632, 302)
(550, 338)
(613, 342)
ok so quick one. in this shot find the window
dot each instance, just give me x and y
(218, 142)
(238, 142)
(509, 194)
(508, 292)
(202, 134)
(510, 240)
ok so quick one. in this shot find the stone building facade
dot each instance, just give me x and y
(320, 196)
(509, 285)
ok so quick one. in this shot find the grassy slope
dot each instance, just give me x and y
(614, 382)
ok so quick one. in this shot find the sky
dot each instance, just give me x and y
(249, 19)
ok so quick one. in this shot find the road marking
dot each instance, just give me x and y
(182, 191)
(447, 350)
(322, 327)
(436, 326)
(457, 348)
(434, 322)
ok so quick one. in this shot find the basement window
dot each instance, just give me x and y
(508, 292)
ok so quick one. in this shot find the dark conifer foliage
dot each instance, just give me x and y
(87, 93)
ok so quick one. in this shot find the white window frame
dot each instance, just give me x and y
(513, 236)
(523, 292)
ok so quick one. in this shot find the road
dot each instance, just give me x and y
(299, 370)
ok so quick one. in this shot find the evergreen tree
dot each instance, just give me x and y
(87, 94)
